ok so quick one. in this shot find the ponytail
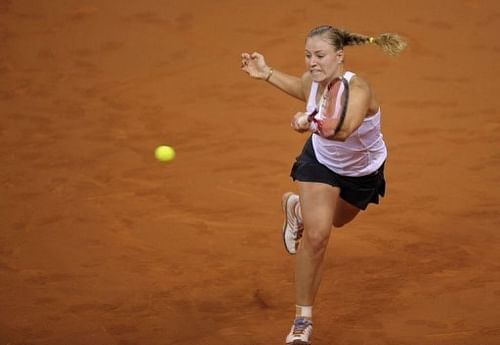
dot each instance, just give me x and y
(391, 44)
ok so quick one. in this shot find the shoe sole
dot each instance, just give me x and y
(299, 342)
(284, 203)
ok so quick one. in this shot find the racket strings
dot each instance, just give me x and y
(332, 109)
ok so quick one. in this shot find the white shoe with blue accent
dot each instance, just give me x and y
(300, 333)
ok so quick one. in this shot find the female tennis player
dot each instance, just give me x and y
(341, 168)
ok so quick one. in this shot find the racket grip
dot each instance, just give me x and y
(313, 126)
(313, 123)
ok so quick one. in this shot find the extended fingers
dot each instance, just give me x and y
(255, 55)
(245, 58)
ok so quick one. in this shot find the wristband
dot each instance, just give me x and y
(270, 74)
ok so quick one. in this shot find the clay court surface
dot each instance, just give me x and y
(102, 244)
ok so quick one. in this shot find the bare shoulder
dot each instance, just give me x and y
(307, 78)
(306, 83)
(360, 83)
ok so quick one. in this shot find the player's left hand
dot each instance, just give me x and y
(255, 65)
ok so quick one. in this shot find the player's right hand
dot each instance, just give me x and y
(255, 65)
(300, 122)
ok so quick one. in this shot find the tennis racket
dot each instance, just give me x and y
(333, 107)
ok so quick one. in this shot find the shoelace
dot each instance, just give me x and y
(300, 325)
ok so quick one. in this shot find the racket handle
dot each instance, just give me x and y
(313, 123)
(313, 126)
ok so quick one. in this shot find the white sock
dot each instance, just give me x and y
(303, 311)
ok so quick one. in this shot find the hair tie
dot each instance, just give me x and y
(371, 39)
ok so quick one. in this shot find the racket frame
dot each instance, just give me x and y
(315, 125)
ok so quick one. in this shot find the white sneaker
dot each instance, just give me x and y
(292, 225)
(300, 332)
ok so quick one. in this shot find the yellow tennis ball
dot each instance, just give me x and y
(164, 153)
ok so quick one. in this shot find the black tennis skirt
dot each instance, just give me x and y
(358, 191)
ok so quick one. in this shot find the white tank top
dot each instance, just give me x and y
(362, 153)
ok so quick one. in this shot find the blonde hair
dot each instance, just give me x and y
(392, 44)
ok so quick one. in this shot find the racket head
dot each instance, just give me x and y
(335, 100)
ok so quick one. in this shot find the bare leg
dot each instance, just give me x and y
(318, 202)
(320, 208)
(344, 213)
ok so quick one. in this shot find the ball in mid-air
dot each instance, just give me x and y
(164, 153)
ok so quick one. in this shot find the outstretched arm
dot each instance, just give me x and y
(255, 65)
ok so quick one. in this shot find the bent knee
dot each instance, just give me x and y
(317, 240)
